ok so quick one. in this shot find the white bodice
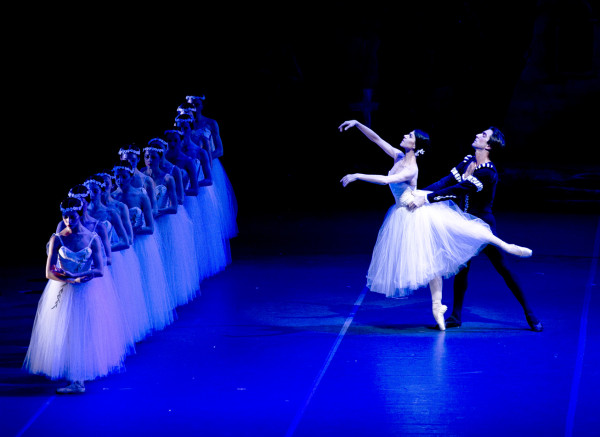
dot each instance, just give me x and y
(137, 217)
(162, 197)
(111, 231)
(199, 171)
(75, 261)
(403, 193)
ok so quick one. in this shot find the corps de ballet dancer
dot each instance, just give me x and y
(78, 333)
(175, 230)
(206, 214)
(125, 266)
(159, 298)
(208, 129)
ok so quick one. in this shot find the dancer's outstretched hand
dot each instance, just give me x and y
(348, 178)
(347, 125)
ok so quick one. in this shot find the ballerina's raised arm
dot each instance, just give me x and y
(371, 135)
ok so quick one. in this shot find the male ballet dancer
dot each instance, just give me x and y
(472, 185)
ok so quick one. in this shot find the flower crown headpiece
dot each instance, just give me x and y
(154, 149)
(184, 117)
(191, 99)
(105, 175)
(182, 110)
(71, 208)
(79, 195)
(159, 141)
(122, 167)
(123, 150)
(94, 181)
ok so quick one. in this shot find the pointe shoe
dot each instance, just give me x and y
(73, 388)
(438, 314)
(521, 252)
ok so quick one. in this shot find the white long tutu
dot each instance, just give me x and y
(186, 226)
(212, 248)
(227, 201)
(413, 247)
(126, 272)
(178, 252)
(108, 282)
(78, 332)
(159, 301)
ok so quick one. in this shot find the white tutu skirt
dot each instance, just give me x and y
(159, 301)
(108, 282)
(212, 248)
(226, 198)
(78, 333)
(178, 252)
(414, 247)
(126, 273)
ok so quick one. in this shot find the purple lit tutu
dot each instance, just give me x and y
(79, 330)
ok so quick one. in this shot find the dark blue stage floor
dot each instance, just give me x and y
(285, 342)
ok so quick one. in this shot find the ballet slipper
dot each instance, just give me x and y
(438, 314)
(521, 252)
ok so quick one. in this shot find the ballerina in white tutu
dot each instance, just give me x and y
(208, 130)
(207, 214)
(125, 267)
(78, 333)
(159, 297)
(176, 230)
(417, 248)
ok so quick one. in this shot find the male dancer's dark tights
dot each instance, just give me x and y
(496, 256)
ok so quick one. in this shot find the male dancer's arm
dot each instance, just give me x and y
(470, 185)
(455, 185)
(451, 179)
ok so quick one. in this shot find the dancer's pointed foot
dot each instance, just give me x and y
(438, 314)
(534, 323)
(521, 252)
(74, 388)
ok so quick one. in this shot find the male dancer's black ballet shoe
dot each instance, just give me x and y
(453, 322)
(533, 323)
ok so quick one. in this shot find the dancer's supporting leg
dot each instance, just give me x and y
(435, 285)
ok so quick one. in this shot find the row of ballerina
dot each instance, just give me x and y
(162, 228)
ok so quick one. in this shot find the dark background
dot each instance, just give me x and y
(279, 79)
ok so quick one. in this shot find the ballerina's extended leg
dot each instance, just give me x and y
(513, 249)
